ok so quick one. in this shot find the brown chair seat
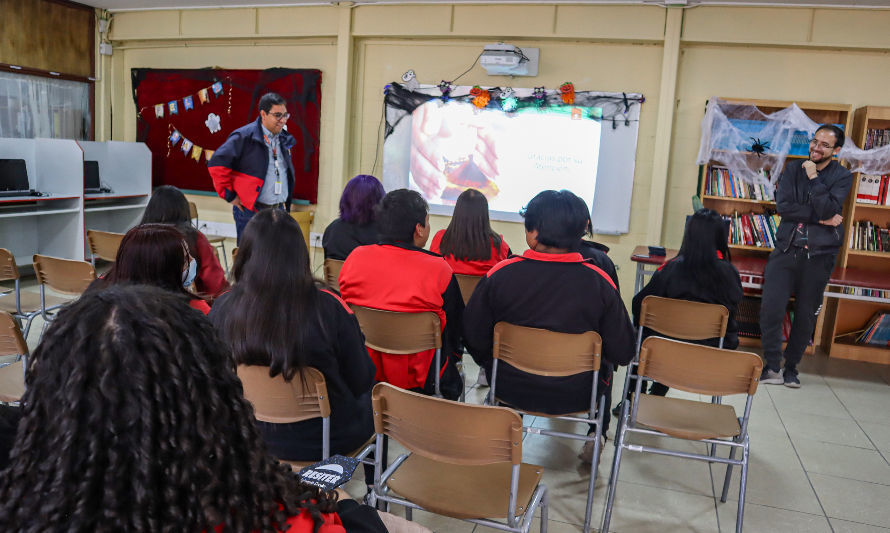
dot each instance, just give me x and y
(688, 419)
(12, 382)
(30, 301)
(463, 491)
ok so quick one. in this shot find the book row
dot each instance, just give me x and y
(753, 229)
(875, 138)
(722, 182)
(873, 189)
(877, 332)
(858, 291)
(869, 237)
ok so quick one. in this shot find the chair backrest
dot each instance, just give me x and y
(193, 211)
(699, 369)
(67, 276)
(399, 333)
(234, 253)
(8, 270)
(332, 269)
(467, 285)
(104, 244)
(11, 340)
(447, 431)
(683, 319)
(304, 219)
(547, 353)
(278, 401)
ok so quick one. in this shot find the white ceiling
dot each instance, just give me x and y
(138, 5)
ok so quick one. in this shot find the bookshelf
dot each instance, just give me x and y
(871, 128)
(753, 218)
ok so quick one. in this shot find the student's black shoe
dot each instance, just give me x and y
(790, 379)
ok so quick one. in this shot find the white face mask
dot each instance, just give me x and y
(189, 275)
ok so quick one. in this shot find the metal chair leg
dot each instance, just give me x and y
(728, 477)
(740, 515)
(613, 478)
(545, 506)
(409, 514)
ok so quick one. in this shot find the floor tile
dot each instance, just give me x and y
(879, 434)
(643, 509)
(763, 518)
(813, 399)
(843, 526)
(835, 430)
(854, 501)
(843, 461)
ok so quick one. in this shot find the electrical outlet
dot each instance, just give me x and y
(315, 239)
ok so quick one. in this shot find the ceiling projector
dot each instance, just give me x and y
(508, 60)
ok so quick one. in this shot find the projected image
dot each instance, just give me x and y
(447, 147)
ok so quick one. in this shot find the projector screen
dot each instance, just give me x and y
(441, 147)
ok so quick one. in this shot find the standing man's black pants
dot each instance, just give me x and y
(791, 273)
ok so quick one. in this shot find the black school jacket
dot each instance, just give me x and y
(557, 292)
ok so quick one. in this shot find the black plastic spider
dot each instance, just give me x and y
(759, 147)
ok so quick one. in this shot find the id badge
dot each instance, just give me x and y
(277, 187)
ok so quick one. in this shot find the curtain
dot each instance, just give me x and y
(32, 107)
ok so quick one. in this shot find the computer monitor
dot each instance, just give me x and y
(91, 176)
(13, 175)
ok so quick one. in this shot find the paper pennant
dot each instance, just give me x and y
(173, 106)
(208, 154)
(188, 103)
(186, 146)
(174, 138)
(159, 111)
(217, 88)
(196, 152)
(203, 96)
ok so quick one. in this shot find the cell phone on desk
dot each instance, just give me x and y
(657, 251)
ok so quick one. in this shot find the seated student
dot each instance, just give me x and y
(356, 225)
(399, 275)
(701, 272)
(154, 254)
(597, 253)
(549, 287)
(169, 206)
(469, 244)
(275, 316)
(134, 420)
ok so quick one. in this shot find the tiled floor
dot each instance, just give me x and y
(820, 462)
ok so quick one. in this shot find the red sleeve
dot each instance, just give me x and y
(302, 523)
(437, 241)
(211, 279)
(504, 251)
(200, 305)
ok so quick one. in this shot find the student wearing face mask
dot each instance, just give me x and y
(157, 255)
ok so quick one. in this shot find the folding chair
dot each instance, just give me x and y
(463, 461)
(467, 285)
(332, 269)
(548, 353)
(217, 241)
(402, 333)
(697, 369)
(678, 319)
(103, 245)
(66, 276)
(12, 375)
(304, 220)
(23, 306)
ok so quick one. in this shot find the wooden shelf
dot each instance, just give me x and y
(861, 352)
(743, 200)
(872, 206)
(748, 247)
(867, 253)
(754, 342)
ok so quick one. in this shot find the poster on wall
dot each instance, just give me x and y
(184, 115)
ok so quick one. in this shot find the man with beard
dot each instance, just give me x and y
(810, 197)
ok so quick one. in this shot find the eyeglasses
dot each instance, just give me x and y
(279, 116)
(824, 146)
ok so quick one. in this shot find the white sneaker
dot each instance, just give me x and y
(482, 380)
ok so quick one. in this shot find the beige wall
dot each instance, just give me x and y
(769, 53)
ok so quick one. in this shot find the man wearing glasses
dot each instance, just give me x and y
(810, 198)
(253, 170)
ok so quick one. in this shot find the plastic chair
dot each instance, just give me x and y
(23, 306)
(467, 285)
(12, 375)
(402, 333)
(697, 369)
(548, 353)
(463, 461)
(66, 276)
(217, 241)
(304, 219)
(332, 269)
(103, 244)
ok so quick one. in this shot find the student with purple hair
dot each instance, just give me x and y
(357, 223)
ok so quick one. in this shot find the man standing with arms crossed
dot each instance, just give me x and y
(810, 198)
(253, 170)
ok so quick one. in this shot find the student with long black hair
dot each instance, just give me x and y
(701, 272)
(469, 244)
(169, 206)
(276, 316)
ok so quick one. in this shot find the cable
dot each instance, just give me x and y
(469, 69)
(377, 142)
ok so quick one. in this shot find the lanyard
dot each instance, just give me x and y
(274, 148)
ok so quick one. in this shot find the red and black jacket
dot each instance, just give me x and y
(402, 277)
(238, 167)
(556, 292)
(474, 267)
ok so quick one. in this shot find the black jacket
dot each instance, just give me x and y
(557, 292)
(341, 238)
(800, 200)
(670, 282)
(597, 254)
